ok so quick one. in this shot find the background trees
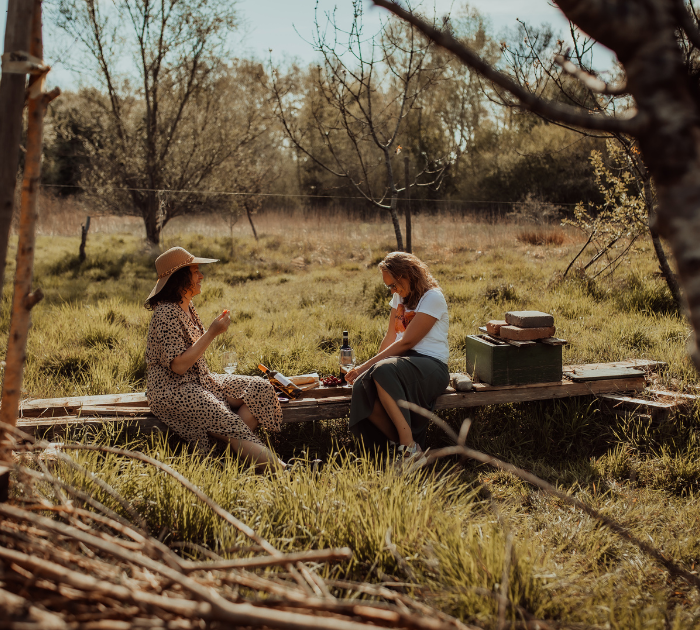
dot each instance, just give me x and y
(357, 106)
(165, 124)
(185, 128)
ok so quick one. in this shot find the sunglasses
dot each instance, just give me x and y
(391, 287)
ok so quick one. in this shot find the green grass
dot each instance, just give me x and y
(291, 295)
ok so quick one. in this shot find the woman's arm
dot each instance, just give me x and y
(390, 336)
(418, 328)
(183, 362)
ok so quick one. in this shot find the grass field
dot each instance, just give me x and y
(291, 295)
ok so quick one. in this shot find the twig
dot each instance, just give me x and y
(210, 606)
(32, 617)
(103, 485)
(504, 601)
(527, 100)
(114, 520)
(592, 83)
(316, 555)
(398, 557)
(198, 548)
(385, 593)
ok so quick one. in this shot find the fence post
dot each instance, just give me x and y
(84, 229)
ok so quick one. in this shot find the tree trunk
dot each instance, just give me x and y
(84, 229)
(250, 220)
(666, 271)
(150, 211)
(394, 199)
(664, 267)
(12, 87)
(24, 299)
(409, 247)
(395, 221)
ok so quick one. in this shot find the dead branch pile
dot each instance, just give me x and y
(75, 563)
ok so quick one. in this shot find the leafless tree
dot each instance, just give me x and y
(358, 104)
(166, 126)
(549, 67)
(662, 81)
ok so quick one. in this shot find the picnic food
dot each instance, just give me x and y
(304, 379)
(280, 381)
(331, 381)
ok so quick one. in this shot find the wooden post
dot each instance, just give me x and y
(12, 87)
(408, 208)
(84, 229)
(24, 299)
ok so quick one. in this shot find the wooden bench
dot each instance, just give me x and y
(55, 415)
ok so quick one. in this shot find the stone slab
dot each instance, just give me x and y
(529, 319)
(516, 333)
(494, 326)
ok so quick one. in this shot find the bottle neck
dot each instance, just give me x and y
(346, 343)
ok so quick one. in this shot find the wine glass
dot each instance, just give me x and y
(346, 360)
(230, 361)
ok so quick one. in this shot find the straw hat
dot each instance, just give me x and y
(172, 260)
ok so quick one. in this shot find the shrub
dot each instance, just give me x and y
(380, 298)
(541, 236)
(68, 364)
(103, 334)
(501, 293)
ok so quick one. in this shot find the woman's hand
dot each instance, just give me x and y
(353, 374)
(220, 324)
(181, 363)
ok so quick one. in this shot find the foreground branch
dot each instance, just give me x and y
(592, 83)
(529, 101)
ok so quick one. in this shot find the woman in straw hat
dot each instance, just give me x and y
(181, 391)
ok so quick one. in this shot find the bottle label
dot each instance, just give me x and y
(283, 380)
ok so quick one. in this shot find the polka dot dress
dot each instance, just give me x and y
(194, 403)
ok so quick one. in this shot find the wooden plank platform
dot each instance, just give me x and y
(58, 414)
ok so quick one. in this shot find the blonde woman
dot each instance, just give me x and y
(411, 363)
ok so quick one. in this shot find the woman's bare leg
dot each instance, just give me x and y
(243, 412)
(381, 420)
(405, 435)
(260, 455)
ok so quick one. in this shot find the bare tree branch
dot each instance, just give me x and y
(688, 24)
(527, 100)
(592, 83)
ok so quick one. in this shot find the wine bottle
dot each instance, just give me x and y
(281, 382)
(346, 357)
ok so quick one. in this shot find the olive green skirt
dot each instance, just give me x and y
(413, 377)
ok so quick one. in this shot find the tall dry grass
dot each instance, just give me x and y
(291, 295)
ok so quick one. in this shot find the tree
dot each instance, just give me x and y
(661, 78)
(357, 106)
(167, 127)
(613, 226)
(538, 62)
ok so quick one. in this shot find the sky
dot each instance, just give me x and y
(286, 27)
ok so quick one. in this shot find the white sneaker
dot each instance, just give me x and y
(411, 457)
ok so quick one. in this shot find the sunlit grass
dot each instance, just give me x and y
(291, 294)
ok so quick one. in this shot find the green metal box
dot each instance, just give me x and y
(497, 364)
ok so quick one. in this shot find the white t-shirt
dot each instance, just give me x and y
(433, 303)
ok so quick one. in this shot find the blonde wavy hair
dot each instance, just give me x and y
(403, 265)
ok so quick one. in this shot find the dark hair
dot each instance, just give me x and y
(178, 284)
(403, 265)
